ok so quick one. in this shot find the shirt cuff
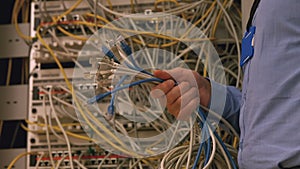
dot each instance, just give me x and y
(218, 97)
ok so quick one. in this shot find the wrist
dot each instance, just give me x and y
(204, 87)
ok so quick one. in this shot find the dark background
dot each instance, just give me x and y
(12, 135)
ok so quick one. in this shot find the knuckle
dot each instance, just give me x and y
(172, 107)
(173, 94)
(195, 91)
(195, 102)
(165, 86)
(185, 86)
(178, 101)
(170, 83)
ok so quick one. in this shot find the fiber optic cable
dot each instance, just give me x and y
(200, 112)
(101, 96)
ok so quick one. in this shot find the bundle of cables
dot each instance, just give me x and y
(210, 142)
(206, 137)
(131, 65)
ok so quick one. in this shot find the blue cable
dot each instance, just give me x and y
(198, 156)
(207, 150)
(200, 112)
(206, 144)
(126, 48)
(103, 95)
(226, 150)
(111, 109)
(205, 129)
(109, 54)
(139, 69)
(207, 137)
(128, 52)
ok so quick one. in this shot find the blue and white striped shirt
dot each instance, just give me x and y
(268, 108)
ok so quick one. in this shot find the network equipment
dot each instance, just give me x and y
(91, 65)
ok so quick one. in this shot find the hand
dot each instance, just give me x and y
(184, 96)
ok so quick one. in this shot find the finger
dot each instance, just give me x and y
(182, 101)
(161, 100)
(165, 87)
(191, 94)
(180, 74)
(177, 92)
(185, 113)
(162, 74)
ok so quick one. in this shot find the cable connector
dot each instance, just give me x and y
(125, 48)
(109, 54)
(110, 110)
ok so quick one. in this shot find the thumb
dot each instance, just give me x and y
(162, 74)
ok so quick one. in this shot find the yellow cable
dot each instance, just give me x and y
(107, 131)
(173, 1)
(110, 4)
(9, 69)
(12, 163)
(217, 20)
(175, 40)
(235, 142)
(16, 11)
(64, 124)
(113, 27)
(98, 17)
(57, 129)
(132, 6)
(205, 67)
(160, 1)
(28, 130)
(27, 11)
(78, 105)
(202, 18)
(54, 57)
(109, 25)
(126, 30)
(23, 10)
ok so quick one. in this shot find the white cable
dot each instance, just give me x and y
(59, 162)
(191, 145)
(39, 160)
(79, 164)
(144, 44)
(62, 129)
(47, 132)
(213, 148)
(103, 160)
(52, 130)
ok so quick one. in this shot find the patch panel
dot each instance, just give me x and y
(65, 137)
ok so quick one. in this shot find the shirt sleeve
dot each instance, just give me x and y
(225, 100)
